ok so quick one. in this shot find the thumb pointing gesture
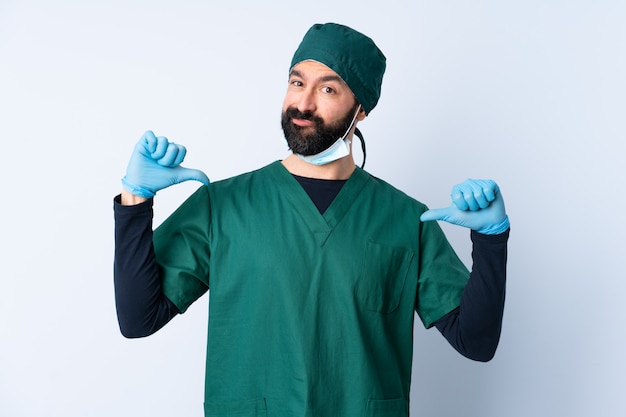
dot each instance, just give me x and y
(155, 165)
(476, 204)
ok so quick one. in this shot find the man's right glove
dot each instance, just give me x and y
(155, 165)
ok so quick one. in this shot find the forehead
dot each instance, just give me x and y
(315, 70)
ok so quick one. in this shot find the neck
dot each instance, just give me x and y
(340, 169)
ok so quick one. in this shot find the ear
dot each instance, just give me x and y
(361, 114)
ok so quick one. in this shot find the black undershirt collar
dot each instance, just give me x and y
(322, 192)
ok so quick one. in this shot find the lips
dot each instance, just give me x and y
(302, 122)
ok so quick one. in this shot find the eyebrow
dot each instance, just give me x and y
(325, 78)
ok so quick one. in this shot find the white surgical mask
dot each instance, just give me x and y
(337, 150)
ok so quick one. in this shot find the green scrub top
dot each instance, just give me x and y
(310, 314)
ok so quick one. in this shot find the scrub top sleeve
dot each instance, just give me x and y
(181, 245)
(442, 276)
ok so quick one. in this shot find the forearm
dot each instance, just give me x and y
(474, 328)
(142, 309)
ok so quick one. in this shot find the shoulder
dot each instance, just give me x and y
(382, 189)
(246, 178)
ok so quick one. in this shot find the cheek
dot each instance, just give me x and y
(290, 100)
(333, 116)
(336, 110)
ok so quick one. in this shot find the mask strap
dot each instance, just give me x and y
(359, 135)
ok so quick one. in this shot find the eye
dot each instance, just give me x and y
(296, 83)
(328, 90)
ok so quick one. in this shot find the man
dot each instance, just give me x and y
(315, 267)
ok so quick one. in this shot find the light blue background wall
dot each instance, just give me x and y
(529, 93)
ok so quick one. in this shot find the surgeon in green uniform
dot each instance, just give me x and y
(316, 269)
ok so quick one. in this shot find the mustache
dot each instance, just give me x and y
(293, 113)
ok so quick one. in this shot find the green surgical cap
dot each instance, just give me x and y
(352, 55)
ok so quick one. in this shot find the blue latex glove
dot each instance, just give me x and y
(476, 204)
(155, 165)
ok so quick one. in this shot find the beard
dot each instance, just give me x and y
(322, 136)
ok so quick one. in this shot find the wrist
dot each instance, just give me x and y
(496, 229)
(135, 190)
(129, 199)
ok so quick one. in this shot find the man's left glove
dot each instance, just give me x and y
(476, 204)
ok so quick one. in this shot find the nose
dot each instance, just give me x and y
(306, 101)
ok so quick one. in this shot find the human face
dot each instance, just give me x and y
(318, 109)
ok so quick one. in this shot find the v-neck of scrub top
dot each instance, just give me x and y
(322, 192)
(321, 225)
